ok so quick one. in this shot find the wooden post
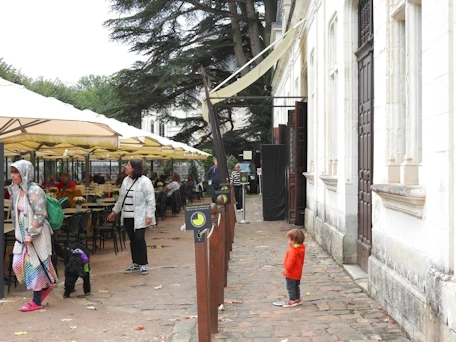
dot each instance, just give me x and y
(202, 286)
(216, 277)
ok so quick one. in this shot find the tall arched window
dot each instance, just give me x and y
(162, 129)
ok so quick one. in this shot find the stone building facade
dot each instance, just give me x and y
(378, 77)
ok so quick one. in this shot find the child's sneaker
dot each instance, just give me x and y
(132, 268)
(298, 301)
(144, 270)
(290, 303)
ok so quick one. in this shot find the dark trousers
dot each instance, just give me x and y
(215, 187)
(293, 289)
(238, 197)
(138, 246)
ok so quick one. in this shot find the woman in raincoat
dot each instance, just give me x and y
(33, 248)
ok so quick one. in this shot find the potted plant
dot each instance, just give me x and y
(115, 193)
(53, 191)
(79, 201)
(99, 197)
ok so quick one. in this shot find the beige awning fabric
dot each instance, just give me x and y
(34, 121)
(283, 44)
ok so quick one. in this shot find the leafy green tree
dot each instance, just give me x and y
(90, 92)
(193, 170)
(207, 163)
(179, 37)
(168, 167)
(231, 163)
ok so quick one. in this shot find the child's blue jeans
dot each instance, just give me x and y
(294, 292)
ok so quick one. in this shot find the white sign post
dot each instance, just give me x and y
(259, 177)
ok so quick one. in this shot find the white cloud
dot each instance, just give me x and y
(61, 39)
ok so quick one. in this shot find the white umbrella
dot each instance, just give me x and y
(29, 121)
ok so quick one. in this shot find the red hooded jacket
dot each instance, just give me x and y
(294, 261)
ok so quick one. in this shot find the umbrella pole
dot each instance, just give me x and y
(87, 170)
(110, 171)
(38, 170)
(120, 164)
(2, 224)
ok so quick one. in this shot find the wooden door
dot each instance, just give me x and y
(296, 163)
(365, 131)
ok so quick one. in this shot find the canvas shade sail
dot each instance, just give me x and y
(29, 121)
(283, 43)
(134, 143)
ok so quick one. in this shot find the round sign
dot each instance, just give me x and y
(244, 179)
(198, 219)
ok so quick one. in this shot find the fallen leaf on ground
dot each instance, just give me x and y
(221, 319)
(73, 327)
(103, 291)
(221, 307)
(308, 294)
(19, 333)
(232, 300)
(91, 308)
(66, 319)
(158, 287)
(138, 327)
(188, 317)
(253, 274)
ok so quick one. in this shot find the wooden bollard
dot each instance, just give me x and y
(216, 265)
(202, 286)
(233, 218)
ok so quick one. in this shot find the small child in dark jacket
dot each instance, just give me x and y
(292, 266)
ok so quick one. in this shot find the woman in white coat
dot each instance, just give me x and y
(136, 204)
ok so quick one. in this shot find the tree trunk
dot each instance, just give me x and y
(241, 58)
(270, 13)
(254, 30)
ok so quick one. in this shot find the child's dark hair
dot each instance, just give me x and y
(296, 235)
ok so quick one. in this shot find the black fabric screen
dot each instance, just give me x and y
(273, 174)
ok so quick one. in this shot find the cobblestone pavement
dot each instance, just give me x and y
(164, 301)
(334, 307)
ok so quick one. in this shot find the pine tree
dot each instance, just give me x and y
(180, 37)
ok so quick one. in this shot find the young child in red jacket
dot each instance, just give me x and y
(292, 266)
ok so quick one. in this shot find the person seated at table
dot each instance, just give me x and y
(108, 177)
(99, 179)
(67, 188)
(49, 183)
(174, 185)
(120, 178)
(191, 181)
(153, 176)
(162, 180)
(6, 194)
(65, 182)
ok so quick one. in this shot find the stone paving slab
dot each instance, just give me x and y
(334, 307)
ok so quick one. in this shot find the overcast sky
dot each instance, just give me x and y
(61, 39)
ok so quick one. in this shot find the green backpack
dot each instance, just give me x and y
(54, 212)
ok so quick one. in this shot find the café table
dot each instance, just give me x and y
(8, 227)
